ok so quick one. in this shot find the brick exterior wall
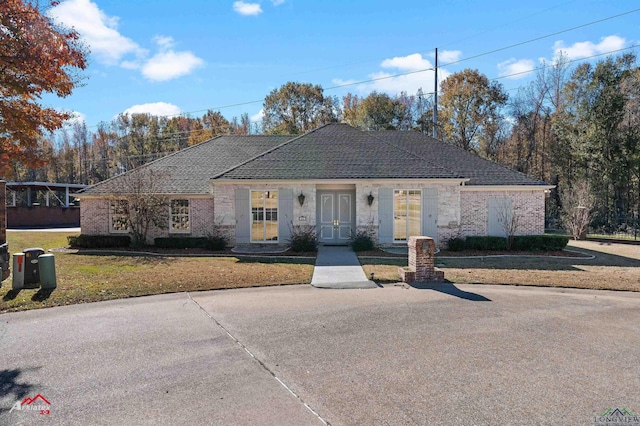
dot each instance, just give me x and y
(529, 205)
(3, 212)
(461, 212)
(448, 206)
(94, 218)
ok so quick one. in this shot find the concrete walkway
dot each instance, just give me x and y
(338, 267)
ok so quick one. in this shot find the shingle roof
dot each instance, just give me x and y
(189, 171)
(337, 151)
(333, 151)
(467, 164)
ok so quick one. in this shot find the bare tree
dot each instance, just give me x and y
(509, 219)
(139, 203)
(577, 207)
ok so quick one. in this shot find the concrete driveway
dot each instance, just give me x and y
(299, 355)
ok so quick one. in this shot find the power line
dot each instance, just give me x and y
(541, 37)
(414, 71)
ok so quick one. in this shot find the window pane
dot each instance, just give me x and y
(414, 213)
(180, 215)
(264, 215)
(400, 215)
(257, 215)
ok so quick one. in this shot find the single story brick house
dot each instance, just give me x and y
(338, 179)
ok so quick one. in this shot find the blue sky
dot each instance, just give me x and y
(168, 57)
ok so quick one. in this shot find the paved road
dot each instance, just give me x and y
(458, 355)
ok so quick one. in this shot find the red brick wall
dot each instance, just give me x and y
(3, 212)
(42, 216)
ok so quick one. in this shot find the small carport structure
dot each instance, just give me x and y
(38, 204)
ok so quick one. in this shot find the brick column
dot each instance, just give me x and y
(3, 212)
(4, 250)
(421, 261)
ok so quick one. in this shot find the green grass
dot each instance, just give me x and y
(85, 278)
(615, 237)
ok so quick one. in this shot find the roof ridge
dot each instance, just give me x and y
(269, 151)
(151, 162)
(414, 154)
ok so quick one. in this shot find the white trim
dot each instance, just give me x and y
(407, 220)
(503, 188)
(263, 241)
(180, 231)
(172, 196)
(396, 182)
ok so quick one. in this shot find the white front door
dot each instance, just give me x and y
(336, 217)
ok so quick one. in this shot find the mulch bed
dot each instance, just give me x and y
(478, 253)
(186, 251)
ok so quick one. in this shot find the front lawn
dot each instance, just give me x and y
(90, 278)
(615, 267)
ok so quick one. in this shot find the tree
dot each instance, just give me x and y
(37, 56)
(509, 219)
(297, 108)
(140, 203)
(577, 206)
(469, 106)
(594, 143)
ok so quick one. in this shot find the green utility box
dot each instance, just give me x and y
(47, 265)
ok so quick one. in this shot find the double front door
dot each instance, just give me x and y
(336, 216)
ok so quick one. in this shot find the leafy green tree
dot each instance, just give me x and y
(297, 108)
(593, 142)
(470, 108)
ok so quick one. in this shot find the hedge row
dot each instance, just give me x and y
(520, 243)
(99, 241)
(209, 243)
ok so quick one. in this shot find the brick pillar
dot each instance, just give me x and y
(4, 249)
(421, 261)
(3, 212)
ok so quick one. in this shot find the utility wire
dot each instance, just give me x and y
(541, 37)
(414, 71)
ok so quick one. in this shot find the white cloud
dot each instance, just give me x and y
(257, 116)
(164, 42)
(97, 29)
(412, 62)
(585, 49)
(512, 66)
(410, 83)
(76, 117)
(101, 34)
(155, 108)
(168, 65)
(447, 56)
(247, 9)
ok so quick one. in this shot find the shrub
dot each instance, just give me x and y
(99, 241)
(456, 244)
(362, 241)
(181, 242)
(486, 243)
(303, 238)
(540, 242)
(216, 242)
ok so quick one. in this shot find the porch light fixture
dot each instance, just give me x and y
(370, 199)
(301, 198)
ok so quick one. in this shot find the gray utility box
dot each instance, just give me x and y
(31, 268)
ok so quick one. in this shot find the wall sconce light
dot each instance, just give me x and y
(301, 198)
(370, 199)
